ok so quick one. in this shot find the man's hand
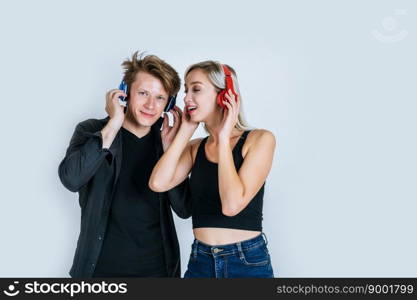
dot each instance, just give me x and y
(114, 109)
(116, 114)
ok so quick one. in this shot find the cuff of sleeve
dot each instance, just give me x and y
(108, 150)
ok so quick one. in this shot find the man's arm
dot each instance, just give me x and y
(88, 146)
(83, 157)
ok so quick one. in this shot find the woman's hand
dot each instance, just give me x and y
(230, 115)
(168, 133)
(186, 123)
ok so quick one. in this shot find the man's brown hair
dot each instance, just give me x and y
(154, 66)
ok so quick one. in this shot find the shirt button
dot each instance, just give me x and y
(100, 238)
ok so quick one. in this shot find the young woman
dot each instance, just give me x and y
(228, 172)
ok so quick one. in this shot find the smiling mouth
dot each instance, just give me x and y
(191, 109)
(147, 115)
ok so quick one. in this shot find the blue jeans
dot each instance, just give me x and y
(249, 258)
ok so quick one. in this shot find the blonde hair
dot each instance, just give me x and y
(215, 73)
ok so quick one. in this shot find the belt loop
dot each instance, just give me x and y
(239, 248)
(195, 247)
(266, 240)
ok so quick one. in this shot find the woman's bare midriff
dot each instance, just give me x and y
(222, 236)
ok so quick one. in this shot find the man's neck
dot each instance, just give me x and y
(137, 129)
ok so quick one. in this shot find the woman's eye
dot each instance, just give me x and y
(196, 90)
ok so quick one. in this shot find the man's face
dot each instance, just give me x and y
(147, 99)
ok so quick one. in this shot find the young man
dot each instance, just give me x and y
(127, 230)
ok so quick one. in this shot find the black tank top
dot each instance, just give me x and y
(206, 203)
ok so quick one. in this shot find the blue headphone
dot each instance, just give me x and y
(171, 100)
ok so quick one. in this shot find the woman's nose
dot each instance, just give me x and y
(187, 98)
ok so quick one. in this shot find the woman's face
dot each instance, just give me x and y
(200, 96)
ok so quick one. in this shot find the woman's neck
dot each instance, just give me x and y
(213, 126)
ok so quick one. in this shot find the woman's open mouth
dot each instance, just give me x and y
(191, 109)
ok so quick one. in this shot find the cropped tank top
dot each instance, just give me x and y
(206, 203)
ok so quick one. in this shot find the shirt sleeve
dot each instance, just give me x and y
(83, 157)
(180, 199)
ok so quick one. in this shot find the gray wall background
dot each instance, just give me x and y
(334, 80)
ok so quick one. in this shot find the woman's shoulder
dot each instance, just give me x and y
(259, 135)
(258, 138)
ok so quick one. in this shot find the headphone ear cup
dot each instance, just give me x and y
(221, 98)
(171, 103)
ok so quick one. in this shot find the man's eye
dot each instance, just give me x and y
(142, 93)
(196, 90)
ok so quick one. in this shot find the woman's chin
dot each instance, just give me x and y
(196, 119)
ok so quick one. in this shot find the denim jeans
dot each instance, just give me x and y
(249, 258)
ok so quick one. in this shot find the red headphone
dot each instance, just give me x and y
(229, 85)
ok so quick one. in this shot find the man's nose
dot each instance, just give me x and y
(150, 102)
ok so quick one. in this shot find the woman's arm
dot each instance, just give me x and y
(175, 164)
(238, 188)
(180, 199)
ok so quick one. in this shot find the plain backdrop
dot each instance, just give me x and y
(335, 81)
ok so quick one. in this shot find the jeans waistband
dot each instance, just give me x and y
(228, 249)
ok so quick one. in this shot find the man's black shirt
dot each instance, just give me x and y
(93, 171)
(133, 243)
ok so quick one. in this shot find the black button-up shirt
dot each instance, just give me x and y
(92, 171)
